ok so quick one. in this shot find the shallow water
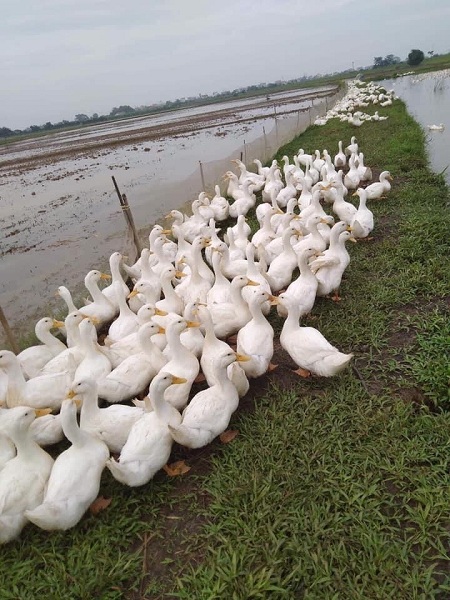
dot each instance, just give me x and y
(427, 97)
(60, 216)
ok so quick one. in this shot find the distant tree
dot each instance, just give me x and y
(95, 116)
(389, 59)
(5, 132)
(415, 57)
(81, 118)
(122, 110)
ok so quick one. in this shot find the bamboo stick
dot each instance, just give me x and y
(8, 331)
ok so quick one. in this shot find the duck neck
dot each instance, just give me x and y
(219, 276)
(96, 293)
(67, 297)
(69, 424)
(114, 265)
(169, 293)
(303, 265)
(293, 318)
(176, 348)
(46, 337)
(237, 300)
(90, 408)
(26, 447)
(163, 410)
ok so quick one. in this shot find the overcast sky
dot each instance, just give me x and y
(62, 57)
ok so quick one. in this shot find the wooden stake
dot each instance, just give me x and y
(128, 215)
(202, 175)
(9, 334)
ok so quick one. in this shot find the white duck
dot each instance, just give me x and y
(117, 281)
(127, 321)
(135, 372)
(303, 289)
(34, 358)
(340, 160)
(75, 478)
(101, 309)
(183, 363)
(255, 339)
(378, 189)
(279, 273)
(40, 392)
(352, 178)
(197, 284)
(220, 205)
(212, 347)
(112, 424)
(95, 363)
(362, 223)
(65, 294)
(307, 347)
(220, 291)
(209, 411)
(344, 210)
(24, 477)
(129, 345)
(229, 317)
(149, 442)
(330, 267)
(70, 358)
(352, 148)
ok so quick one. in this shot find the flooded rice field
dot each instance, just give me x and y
(60, 215)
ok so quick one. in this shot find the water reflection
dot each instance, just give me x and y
(427, 97)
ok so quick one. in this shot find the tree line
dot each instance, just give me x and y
(415, 57)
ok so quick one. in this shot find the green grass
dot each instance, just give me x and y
(333, 488)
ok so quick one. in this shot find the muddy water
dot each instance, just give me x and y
(60, 216)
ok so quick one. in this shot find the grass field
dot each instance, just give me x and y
(333, 488)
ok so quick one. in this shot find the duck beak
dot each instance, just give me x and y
(352, 239)
(58, 324)
(251, 282)
(71, 394)
(355, 194)
(160, 312)
(242, 357)
(166, 231)
(93, 320)
(161, 330)
(274, 300)
(349, 228)
(180, 274)
(105, 276)
(132, 294)
(176, 380)
(41, 412)
(193, 323)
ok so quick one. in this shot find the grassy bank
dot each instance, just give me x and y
(333, 488)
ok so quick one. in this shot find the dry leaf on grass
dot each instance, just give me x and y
(228, 436)
(99, 504)
(177, 468)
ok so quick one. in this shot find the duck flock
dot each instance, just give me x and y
(197, 310)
